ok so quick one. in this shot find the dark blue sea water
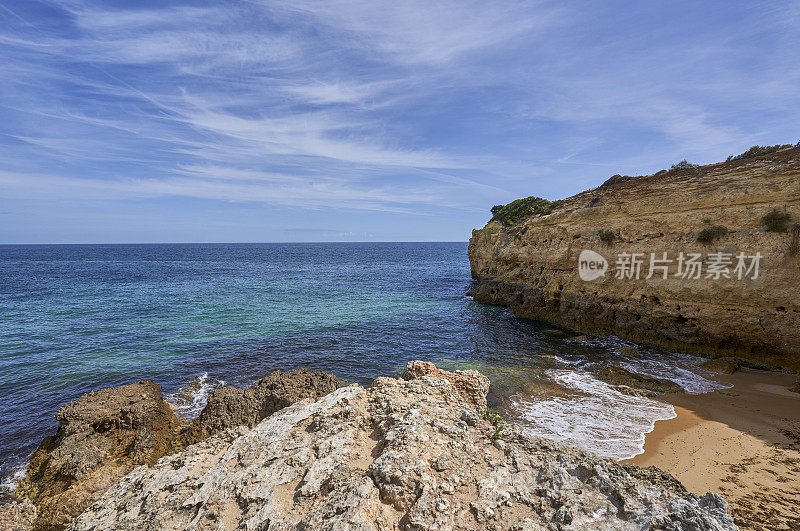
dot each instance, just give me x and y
(76, 318)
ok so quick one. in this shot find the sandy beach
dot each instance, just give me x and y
(743, 442)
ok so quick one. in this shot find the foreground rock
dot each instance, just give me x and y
(471, 385)
(106, 434)
(531, 265)
(229, 407)
(636, 384)
(403, 454)
(725, 365)
(17, 515)
(101, 437)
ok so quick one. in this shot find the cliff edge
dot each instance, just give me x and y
(698, 259)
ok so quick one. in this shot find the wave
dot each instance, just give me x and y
(593, 416)
(190, 399)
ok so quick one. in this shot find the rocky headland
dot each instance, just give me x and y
(526, 258)
(420, 452)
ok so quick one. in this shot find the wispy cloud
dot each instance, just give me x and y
(402, 106)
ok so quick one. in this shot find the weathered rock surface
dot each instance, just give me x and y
(471, 385)
(229, 407)
(725, 365)
(403, 454)
(101, 437)
(105, 434)
(17, 515)
(532, 266)
(633, 383)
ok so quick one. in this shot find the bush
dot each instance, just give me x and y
(496, 209)
(776, 221)
(606, 236)
(757, 151)
(683, 165)
(595, 201)
(522, 209)
(712, 233)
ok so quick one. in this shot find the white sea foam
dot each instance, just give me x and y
(9, 482)
(684, 374)
(190, 399)
(593, 416)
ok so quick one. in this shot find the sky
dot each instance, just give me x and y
(378, 120)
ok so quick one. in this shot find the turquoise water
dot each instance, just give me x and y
(75, 318)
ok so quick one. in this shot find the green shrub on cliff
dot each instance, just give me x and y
(776, 221)
(606, 236)
(683, 165)
(712, 233)
(522, 209)
(757, 151)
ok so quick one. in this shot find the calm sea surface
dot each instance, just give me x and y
(76, 318)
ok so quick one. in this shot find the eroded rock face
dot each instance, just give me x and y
(532, 266)
(229, 407)
(471, 385)
(403, 454)
(101, 437)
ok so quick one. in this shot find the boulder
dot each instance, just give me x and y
(229, 406)
(471, 385)
(101, 436)
(403, 454)
(630, 382)
(725, 365)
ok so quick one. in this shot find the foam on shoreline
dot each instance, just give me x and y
(594, 416)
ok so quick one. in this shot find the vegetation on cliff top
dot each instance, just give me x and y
(757, 151)
(521, 209)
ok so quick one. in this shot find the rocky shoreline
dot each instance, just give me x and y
(529, 259)
(298, 451)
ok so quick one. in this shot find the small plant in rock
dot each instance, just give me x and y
(606, 236)
(776, 221)
(595, 201)
(710, 234)
(495, 420)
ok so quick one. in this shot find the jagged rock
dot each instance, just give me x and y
(472, 385)
(17, 515)
(101, 437)
(395, 456)
(229, 407)
(726, 365)
(531, 266)
(631, 382)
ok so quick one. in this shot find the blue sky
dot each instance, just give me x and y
(316, 120)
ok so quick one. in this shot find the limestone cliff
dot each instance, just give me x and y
(531, 264)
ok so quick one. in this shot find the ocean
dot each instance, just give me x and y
(76, 318)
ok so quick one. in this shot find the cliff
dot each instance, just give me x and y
(402, 454)
(720, 216)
